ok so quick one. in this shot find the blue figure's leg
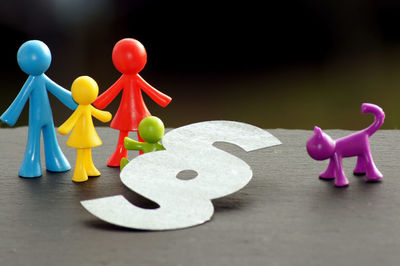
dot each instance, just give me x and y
(55, 159)
(31, 166)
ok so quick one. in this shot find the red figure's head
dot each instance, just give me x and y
(129, 56)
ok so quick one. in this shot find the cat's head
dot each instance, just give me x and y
(320, 146)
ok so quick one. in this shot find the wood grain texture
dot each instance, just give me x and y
(284, 216)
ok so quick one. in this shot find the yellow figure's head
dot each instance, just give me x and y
(84, 90)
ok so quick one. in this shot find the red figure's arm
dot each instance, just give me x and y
(157, 96)
(106, 97)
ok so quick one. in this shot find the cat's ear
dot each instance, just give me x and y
(318, 131)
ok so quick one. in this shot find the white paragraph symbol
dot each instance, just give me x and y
(183, 203)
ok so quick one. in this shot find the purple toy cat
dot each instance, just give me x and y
(321, 147)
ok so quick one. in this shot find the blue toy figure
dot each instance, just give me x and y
(34, 59)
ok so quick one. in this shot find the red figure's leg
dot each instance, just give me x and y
(141, 140)
(119, 152)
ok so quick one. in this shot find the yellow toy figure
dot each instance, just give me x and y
(84, 136)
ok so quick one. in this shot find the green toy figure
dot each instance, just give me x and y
(151, 130)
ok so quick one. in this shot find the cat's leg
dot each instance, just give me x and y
(341, 179)
(361, 166)
(329, 172)
(372, 173)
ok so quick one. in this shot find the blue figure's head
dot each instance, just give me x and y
(34, 57)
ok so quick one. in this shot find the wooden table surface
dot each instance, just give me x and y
(284, 216)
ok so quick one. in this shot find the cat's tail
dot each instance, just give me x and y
(379, 117)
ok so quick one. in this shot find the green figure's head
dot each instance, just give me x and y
(151, 129)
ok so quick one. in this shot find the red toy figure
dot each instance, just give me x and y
(129, 58)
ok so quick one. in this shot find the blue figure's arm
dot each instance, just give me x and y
(11, 115)
(62, 94)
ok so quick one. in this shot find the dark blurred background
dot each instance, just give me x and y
(274, 64)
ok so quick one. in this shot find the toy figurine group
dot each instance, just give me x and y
(129, 57)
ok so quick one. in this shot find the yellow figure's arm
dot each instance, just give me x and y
(103, 116)
(67, 126)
